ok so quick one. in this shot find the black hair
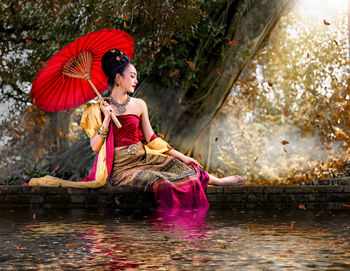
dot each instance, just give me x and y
(114, 61)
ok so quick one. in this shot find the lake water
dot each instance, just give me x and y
(81, 239)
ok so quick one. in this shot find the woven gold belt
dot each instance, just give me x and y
(129, 150)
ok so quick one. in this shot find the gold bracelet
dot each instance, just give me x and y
(102, 133)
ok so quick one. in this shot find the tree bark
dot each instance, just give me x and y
(247, 22)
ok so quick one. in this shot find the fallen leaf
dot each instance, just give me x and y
(301, 206)
(325, 22)
(284, 142)
(160, 134)
(284, 149)
(218, 71)
(71, 245)
(174, 73)
(223, 246)
(173, 41)
(191, 64)
(289, 251)
(232, 42)
(327, 147)
(346, 205)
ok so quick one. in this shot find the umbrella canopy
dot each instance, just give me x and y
(52, 90)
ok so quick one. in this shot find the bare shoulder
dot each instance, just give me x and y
(139, 101)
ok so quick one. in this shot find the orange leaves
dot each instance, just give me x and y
(290, 251)
(174, 73)
(16, 246)
(302, 206)
(191, 64)
(325, 22)
(232, 42)
(180, 100)
(15, 134)
(328, 148)
(173, 41)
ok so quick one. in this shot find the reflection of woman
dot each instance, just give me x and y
(175, 179)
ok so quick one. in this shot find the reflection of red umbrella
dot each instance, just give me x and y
(59, 85)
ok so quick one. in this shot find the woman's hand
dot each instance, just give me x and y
(191, 161)
(107, 110)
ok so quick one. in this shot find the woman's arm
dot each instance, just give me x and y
(148, 132)
(97, 140)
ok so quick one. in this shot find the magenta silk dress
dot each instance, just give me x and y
(173, 183)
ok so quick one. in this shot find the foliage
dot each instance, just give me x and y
(291, 106)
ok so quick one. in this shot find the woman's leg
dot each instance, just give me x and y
(231, 180)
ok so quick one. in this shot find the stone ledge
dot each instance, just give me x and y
(312, 197)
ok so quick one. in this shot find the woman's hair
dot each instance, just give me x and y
(114, 61)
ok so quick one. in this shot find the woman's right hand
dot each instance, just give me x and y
(107, 110)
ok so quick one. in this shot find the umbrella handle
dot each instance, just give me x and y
(114, 118)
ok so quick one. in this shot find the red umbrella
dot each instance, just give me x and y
(59, 85)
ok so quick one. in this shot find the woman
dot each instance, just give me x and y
(176, 179)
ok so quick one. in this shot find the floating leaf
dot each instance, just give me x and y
(71, 245)
(223, 246)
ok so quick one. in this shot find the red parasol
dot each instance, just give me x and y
(59, 85)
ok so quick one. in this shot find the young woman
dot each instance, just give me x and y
(175, 179)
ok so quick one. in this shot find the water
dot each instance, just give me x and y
(80, 239)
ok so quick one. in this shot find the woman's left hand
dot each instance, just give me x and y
(190, 161)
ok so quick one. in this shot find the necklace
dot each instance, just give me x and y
(121, 107)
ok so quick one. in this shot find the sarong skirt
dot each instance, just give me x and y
(173, 182)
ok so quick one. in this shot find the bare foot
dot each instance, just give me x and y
(231, 180)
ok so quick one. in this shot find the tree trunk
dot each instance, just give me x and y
(247, 22)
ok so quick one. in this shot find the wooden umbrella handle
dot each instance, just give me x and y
(114, 118)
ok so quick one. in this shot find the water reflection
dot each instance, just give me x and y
(174, 239)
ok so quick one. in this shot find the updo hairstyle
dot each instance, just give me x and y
(114, 61)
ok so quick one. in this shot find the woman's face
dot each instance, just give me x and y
(129, 81)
